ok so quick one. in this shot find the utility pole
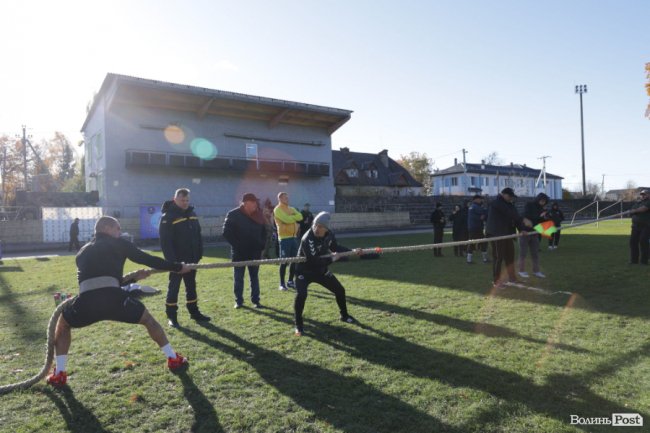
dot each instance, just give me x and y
(24, 141)
(580, 89)
(465, 169)
(602, 186)
(542, 174)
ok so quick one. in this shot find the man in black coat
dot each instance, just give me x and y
(74, 236)
(438, 221)
(180, 240)
(503, 219)
(244, 229)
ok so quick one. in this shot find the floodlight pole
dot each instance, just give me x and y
(580, 89)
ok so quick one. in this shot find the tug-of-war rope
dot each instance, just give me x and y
(49, 352)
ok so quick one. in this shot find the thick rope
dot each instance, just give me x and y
(57, 312)
(49, 354)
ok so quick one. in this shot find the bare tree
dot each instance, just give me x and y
(493, 158)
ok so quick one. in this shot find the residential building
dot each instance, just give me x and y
(486, 179)
(371, 174)
(627, 194)
(145, 138)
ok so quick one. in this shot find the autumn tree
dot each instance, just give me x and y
(77, 183)
(419, 165)
(11, 164)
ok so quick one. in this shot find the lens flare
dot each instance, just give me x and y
(204, 149)
(174, 134)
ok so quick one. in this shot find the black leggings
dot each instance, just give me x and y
(327, 280)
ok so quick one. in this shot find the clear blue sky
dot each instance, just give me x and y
(426, 76)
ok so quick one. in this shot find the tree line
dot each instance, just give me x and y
(49, 165)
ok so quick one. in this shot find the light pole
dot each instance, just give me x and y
(580, 89)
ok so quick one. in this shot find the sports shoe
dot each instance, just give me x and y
(348, 319)
(237, 305)
(173, 323)
(539, 275)
(550, 247)
(298, 332)
(57, 380)
(258, 305)
(178, 363)
(283, 288)
(200, 317)
(291, 284)
(523, 274)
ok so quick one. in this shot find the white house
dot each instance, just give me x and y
(469, 179)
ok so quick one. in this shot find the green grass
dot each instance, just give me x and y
(436, 349)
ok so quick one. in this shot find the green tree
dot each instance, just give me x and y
(76, 183)
(420, 167)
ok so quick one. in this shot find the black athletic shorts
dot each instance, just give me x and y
(108, 303)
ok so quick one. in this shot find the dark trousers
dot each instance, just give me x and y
(74, 242)
(329, 281)
(457, 237)
(174, 285)
(477, 234)
(503, 251)
(554, 241)
(437, 239)
(253, 275)
(639, 241)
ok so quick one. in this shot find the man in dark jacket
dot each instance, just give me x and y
(307, 220)
(318, 242)
(74, 236)
(438, 221)
(244, 229)
(476, 217)
(502, 220)
(535, 211)
(557, 216)
(459, 232)
(640, 229)
(100, 264)
(180, 240)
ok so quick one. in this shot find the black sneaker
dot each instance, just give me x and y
(348, 319)
(298, 332)
(258, 305)
(200, 317)
(237, 305)
(291, 284)
(173, 323)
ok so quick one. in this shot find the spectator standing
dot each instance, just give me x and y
(438, 221)
(535, 212)
(286, 220)
(640, 235)
(458, 220)
(244, 229)
(74, 235)
(307, 220)
(502, 220)
(555, 215)
(476, 218)
(180, 241)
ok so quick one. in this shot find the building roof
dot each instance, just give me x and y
(160, 94)
(388, 172)
(501, 170)
(623, 191)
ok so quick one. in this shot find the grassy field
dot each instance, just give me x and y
(436, 349)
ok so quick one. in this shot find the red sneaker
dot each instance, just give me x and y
(178, 363)
(57, 380)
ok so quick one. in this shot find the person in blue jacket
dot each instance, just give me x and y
(476, 219)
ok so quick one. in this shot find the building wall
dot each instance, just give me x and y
(381, 191)
(213, 192)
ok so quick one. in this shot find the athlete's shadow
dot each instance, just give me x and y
(205, 417)
(346, 403)
(569, 394)
(78, 418)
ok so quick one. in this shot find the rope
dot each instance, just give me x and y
(49, 353)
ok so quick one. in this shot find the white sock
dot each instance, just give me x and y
(61, 360)
(469, 257)
(168, 351)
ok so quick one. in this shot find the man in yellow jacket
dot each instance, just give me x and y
(286, 219)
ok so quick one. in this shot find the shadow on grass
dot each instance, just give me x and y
(30, 330)
(345, 403)
(205, 417)
(593, 266)
(485, 329)
(78, 418)
(11, 269)
(560, 397)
